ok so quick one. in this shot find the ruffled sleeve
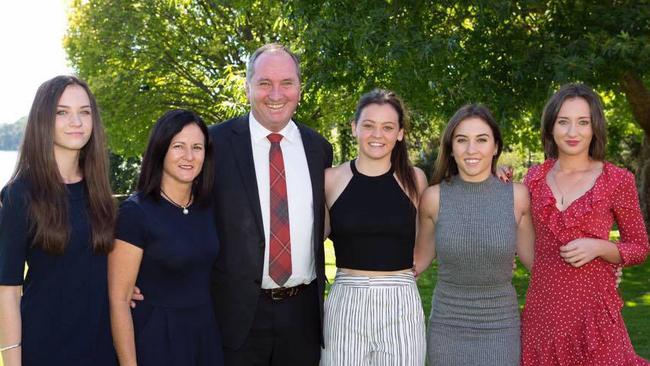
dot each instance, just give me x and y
(633, 245)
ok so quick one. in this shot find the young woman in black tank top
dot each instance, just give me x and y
(373, 314)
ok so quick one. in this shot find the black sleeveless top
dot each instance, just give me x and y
(373, 224)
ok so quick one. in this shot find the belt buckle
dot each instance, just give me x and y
(276, 293)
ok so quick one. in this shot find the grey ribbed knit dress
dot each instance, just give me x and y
(474, 313)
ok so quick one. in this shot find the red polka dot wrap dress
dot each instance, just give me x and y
(572, 316)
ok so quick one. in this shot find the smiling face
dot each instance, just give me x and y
(377, 131)
(473, 148)
(572, 131)
(185, 155)
(274, 89)
(73, 122)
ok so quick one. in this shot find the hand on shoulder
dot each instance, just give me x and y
(504, 173)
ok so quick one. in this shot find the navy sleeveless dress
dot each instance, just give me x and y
(175, 323)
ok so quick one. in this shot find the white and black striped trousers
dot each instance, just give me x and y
(374, 321)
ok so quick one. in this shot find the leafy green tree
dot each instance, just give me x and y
(143, 58)
(510, 55)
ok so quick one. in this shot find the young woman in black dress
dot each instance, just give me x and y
(58, 216)
(166, 243)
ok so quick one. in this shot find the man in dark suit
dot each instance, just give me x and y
(269, 279)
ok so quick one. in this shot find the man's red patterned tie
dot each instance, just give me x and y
(280, 240)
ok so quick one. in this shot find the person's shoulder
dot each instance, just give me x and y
(226, 125)
(337, 172)
(134, 209)
(534, 171)
(431, 194)
(17, 190)
(337, 175)
(518, 187)
(430, 201)
(134, 202)
(612, 169)
(538, 172)
(420, 178)
(17, 185)
(616, 175)
(520, 192)
(306, 130)
(419, 174)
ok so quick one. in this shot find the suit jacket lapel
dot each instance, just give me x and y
(243, 152)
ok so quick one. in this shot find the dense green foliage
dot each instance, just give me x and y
(11, 135)
(123, 174)
(510, 55)
(144, 57)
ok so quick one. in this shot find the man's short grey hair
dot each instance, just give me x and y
(269, 47)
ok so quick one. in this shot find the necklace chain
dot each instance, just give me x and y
(562, 194)
(183, 207)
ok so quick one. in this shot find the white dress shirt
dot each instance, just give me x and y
(299, 196)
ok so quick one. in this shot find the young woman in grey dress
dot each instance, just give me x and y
(474, 224)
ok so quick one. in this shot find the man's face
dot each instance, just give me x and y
(274, 89)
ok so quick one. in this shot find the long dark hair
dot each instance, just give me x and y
(47, 192)
(399, 157)
(162, 133)
(446, 166)
(552, 108)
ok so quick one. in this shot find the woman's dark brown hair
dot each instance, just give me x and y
(570, 91)
(47, 192)
(162, 133)
(446, 166)
(399, 158)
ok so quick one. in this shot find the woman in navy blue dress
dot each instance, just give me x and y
(58, 216)
(166, 244)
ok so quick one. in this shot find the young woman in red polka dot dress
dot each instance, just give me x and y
(572, 314)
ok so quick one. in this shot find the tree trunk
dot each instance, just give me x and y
(643, 181)
(638, 96)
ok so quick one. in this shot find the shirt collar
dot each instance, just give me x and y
(258, 132)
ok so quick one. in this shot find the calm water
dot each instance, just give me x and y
(7, 165)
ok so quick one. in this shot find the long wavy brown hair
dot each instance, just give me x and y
(48, 203)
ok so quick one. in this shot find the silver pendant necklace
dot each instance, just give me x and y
(184, 208)
(571, 187)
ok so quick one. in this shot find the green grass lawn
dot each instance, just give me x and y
(635, 290)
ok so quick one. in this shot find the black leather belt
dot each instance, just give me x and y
(282, 293)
